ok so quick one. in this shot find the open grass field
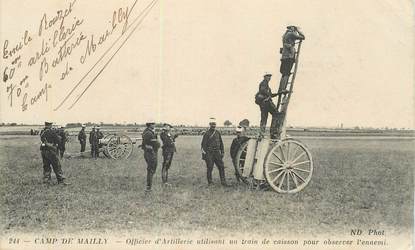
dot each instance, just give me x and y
(357, 182)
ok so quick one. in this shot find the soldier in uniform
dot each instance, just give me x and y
(92, 139)
(288, 56)
(213, 152)
(63, 139)
(264, 99)
(150, 146)
(235, 146)
(98, 135)
(49, 152)
(82, 138)
(169, 148)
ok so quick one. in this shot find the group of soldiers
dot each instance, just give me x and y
(94, 136)
(264, 95)
(212, 151)
(212, 144)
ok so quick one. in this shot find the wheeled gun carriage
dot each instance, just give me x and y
(285, 164)
(115, 146)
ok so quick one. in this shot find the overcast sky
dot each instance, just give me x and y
(195, 59)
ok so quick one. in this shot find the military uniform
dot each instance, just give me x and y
(150, 146)
(49, 152)
(169, 148)
(267, 105)
(212, 147)
(92, 142)
(235, 146)
(82, 139)
(62, 144)
(98, 135)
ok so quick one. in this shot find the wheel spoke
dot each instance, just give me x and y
(282, 181)
(288, 151)
(277, 176)
(282, 153)
(294, 179)
(277, 156)
(288, 181)
(275, 163)
(298, 157)
(294, 152)
(299, 163)
(303, 170)
(275, 170)
(299, 177)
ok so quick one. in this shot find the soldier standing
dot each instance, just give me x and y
(264, 99)
(49, 152)
(169, 148)
(150, 146)
(213, 152)
(63, 139)
(98, 136)
(235, 146)
(288, 57)
(92, 139)
(82, 138)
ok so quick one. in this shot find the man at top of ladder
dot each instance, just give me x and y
(291, 35)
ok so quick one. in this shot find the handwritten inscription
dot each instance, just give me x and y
(45, 58)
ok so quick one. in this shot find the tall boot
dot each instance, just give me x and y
(222, 177)
(149, 180)
(209, 176)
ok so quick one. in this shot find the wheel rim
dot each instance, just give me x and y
(288, 166)
(119, 147)
(240, 161)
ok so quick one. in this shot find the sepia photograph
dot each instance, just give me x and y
(192, 124)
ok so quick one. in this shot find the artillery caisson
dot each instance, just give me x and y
(116, 146)
(284, 164)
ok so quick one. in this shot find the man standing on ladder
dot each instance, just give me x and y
(288, 57)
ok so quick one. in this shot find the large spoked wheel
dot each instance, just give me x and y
(240, 161)
(288, 166)
(105, 151)
(119, 147)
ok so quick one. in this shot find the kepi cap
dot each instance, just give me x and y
(239, 129)
(267, 74)
(212, 120)
(48, 123)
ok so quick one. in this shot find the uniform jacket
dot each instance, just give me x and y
(82, 135)
(150, 141)
(264, 92)
(288, 41)
(49, 139)
(168, 141)
(212, 141)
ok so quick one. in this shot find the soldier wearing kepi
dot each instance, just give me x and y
(264, 99)
(169, 148)
(235, 146)
(288, 57)
(213, 152)
(150, 146)
(92, 138)
(49, 152)
(82, 138)
(98, 135)
(63, 139)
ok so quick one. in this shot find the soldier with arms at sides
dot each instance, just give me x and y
(150, 146)
(169, 148)
(92, 138)
(49, 152)
(99, 135)
(213, 152)
(63, 139)
(82, 138)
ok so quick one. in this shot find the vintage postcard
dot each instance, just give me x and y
(193, 124)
